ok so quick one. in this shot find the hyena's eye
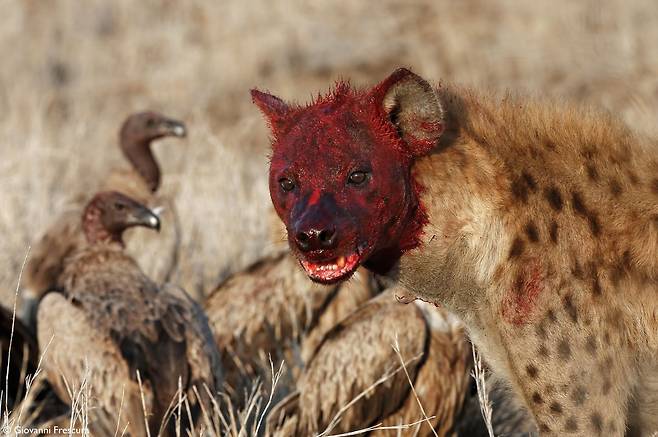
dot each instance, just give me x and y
(357, 177)
(286, 184)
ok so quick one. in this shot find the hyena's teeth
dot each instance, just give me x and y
(341, 262)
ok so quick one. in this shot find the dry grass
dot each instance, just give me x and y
(219, 419)
(396, 348)
(483, 395)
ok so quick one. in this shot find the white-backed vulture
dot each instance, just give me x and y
(358, 352)
(157, 256)
(108, 321)
(272, 308)
(140, 182)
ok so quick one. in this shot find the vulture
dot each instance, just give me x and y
(140, 182)
(133, 342)
(508, 416)
(356, 379)
(272, 308)
(19, 361)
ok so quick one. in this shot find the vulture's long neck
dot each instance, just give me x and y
(138, 152)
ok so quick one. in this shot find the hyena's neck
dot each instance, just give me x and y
(464, 191)
(465, 238)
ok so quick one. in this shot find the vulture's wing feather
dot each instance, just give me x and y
(124, 304)
(202, 353)
(443, 380)
(355, 357)
(262, 311)
(76, 348)
(349, 296)
(271, 300)
(47, 260)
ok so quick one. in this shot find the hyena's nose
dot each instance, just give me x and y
(316, 239)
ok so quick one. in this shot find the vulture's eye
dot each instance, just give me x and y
(150, 122)
(286, 184)
(357, 177)
(119, 206)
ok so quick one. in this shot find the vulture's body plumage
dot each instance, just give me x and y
(357, 356)
(108, 322)
(271, 308)
(140, 182)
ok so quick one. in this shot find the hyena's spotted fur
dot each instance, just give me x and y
(535, 221)
(543, 236)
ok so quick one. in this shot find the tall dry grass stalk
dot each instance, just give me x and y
(379, 426)
(215, 421)
(396, 348)
(219, 419)
(364, 393)
(483, 395)
(11, 335)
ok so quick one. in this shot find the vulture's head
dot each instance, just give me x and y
(149, 125)
(135, 137)
(110, 213)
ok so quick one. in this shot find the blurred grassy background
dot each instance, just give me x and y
(72, 70)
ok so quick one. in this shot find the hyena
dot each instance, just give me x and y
(534, 221)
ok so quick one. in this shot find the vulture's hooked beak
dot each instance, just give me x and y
(144, 217)
(175, 128)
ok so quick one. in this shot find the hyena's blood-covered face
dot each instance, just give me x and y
(340, 172)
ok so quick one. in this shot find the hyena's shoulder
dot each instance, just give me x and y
(572, 183)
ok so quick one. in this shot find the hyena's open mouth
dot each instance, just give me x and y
(333, 270)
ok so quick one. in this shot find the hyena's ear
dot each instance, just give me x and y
(413, 107)
(275, 109)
